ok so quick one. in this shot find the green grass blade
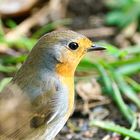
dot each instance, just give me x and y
(133, 50)
(114, 93)
(13, 59)
(116, 128)
(122, 62)
(4, 82)
(129, 69)
(133, 84)
(125, 110)
(7, 69)
(133, 127)
(126, 89)
(86, 65)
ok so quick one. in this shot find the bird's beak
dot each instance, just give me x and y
(95, 48)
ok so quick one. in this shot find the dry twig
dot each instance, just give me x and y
(53, 10)
(79, 107)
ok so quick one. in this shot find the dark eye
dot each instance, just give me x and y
(73, 45)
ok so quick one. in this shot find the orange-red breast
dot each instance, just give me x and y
(38, 101)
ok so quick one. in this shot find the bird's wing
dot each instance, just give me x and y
(19, 116)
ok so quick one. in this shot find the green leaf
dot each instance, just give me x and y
(124, 15)
(114, 18)
(11, 23)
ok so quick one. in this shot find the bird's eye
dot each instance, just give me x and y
(73, 45)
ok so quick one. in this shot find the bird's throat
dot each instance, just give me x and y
(65, 70)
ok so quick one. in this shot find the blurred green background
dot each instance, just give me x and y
(114, 24)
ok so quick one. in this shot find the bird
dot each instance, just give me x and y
(39, 100)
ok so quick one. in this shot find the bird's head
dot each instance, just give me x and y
(62, 51)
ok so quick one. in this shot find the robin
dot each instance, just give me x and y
(38, 101)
